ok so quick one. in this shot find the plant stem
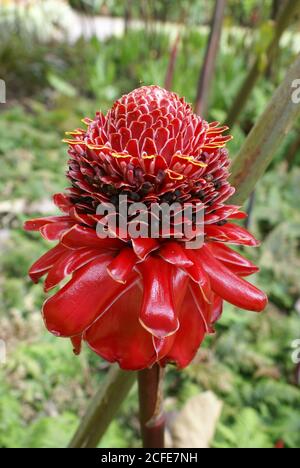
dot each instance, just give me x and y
(250, 208)
(265, 138)
(152, 417)
(171, 65)
(127, 15)
(292, 152)
(206, 76)
(284, 20)
(103, 408)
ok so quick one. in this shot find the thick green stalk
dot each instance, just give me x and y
(103, 408)
(266, 137)
(285, 18)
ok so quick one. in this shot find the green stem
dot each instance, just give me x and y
(266, 137)
(172, 63)
(207, 72)
(103, 408)
(152, 419)
(284, 20)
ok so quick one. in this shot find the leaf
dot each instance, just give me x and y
(247, 432)
(61, 86)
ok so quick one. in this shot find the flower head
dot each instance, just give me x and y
(141, 300)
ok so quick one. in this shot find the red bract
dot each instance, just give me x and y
(141, 301)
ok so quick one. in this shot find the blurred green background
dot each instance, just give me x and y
(62, 61)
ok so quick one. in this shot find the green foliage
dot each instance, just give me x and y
(277, 221)
(50, 432)
(193, 11)
(247, 432)
(87, 6)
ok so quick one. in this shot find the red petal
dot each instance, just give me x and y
(180, 283)
(119, 336)
(158, 313)
(231, 233)
(162, 346)
(69, 262)
(81, 218)
(161, 137)
(62, 202)
(54, 231)
(44, 263)
(198, 274)
(76, 342)
(217, 309)
(238, 215)
(190, 334)
(143, 247)
(80, 302)
(133, 148)
(203, 303)
(232, 260)
(229, 286)
(78, 237)
(169, 149)
(121, 267)
(149, 147)
(36, 224)
(173, 253)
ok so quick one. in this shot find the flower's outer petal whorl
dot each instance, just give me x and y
(118, 335)
(232, 234)
(46, 262)
(158, 314)
(229, 286)
(173, 253)
(54, 231)
(69, 262)
(143, 247)
(79, 237)
(217, 309)
(38, 223)
(121, 267)
(80, 302)
(190, 334)
(232, 259)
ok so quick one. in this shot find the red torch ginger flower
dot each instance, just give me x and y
(138, 301)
